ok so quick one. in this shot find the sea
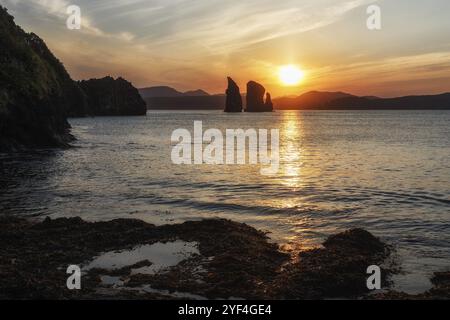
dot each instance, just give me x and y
(385, 171)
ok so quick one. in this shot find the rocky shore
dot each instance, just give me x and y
(37, 94)
(225, 260)
(35, 91)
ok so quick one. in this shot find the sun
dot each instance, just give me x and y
(291, 75)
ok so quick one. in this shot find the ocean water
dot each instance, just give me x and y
(385, 171)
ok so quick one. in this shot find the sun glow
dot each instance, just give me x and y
(291, 75)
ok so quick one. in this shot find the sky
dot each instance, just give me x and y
(193, 44)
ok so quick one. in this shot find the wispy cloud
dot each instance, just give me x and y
(57, 9)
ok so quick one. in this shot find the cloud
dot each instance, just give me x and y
(57, 9)
(224, 26)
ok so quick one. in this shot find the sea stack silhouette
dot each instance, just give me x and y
(234, 98)
(269, 103)
(255, 98)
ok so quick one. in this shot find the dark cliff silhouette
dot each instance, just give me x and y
(35, 91)
(111, 97)
(255, 98)
(234, 98)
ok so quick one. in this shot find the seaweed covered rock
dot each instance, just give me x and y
(234, 98)
(236, 259)
(339, 269)
(439, 291)
(233, 260)
(35, 91)
(112, 97)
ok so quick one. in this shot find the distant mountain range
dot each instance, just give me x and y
(433, 102)
(309, 100)
(167, 98)
(316, 100)
(171, 99)
(168, 92)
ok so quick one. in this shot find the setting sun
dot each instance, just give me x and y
(291, 75)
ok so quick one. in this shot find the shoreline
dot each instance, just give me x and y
(207, 259)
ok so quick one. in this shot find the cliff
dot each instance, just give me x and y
(35, 91)
(111, 97)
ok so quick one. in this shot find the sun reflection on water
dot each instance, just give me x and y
(291, 150)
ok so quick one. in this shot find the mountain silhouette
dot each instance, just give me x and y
(169, 92)
(168, 98)
(316, 100)
(309, 100)
(436, 102)
(196, 93)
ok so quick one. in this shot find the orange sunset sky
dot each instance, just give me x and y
(192, 44)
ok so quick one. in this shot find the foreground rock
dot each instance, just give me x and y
(230, 260)
(35, 91)
(339, 269)
(440, 290)
(238, 259)
(234, 98)
(255, 98)
(111, 97)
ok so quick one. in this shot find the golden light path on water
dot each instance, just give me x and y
(294, 175)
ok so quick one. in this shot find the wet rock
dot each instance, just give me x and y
(125, 271)
(237, 258)
(441, 286)
(336, 270)
(255, 98)
(440, 290)
(358, 240)
(234, 98)
(234, 260)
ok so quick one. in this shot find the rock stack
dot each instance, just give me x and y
(234, 98)
(255, 98)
